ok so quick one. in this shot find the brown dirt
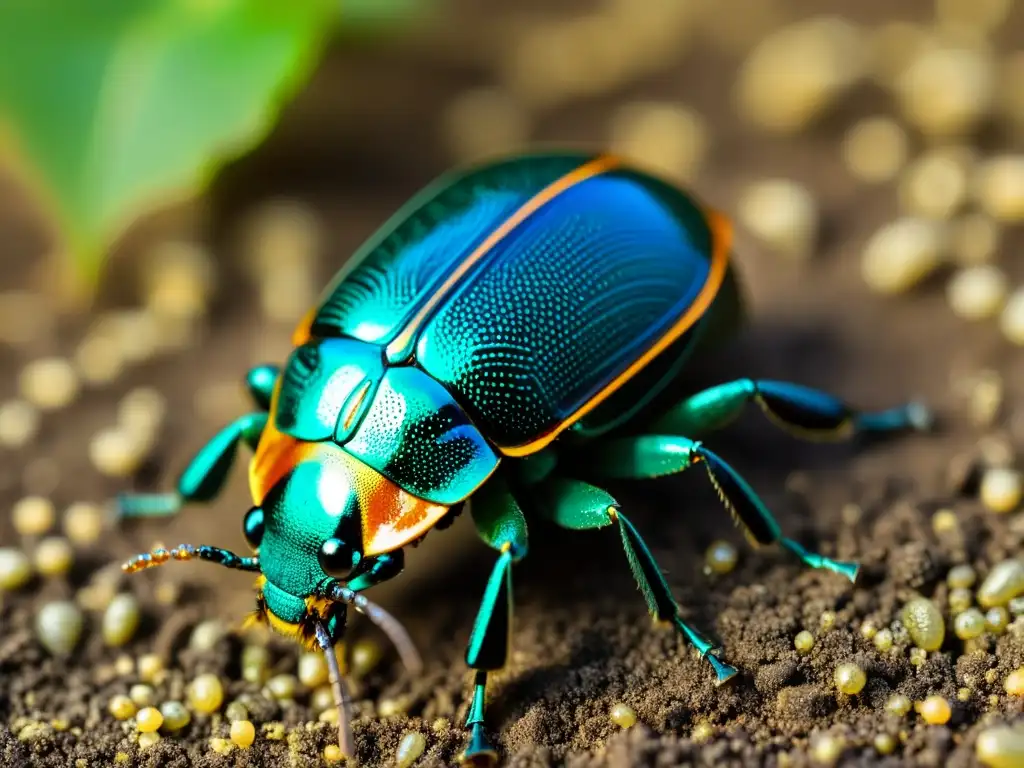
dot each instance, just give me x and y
(581, 638)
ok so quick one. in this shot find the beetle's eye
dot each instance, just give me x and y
(337, 558)
(252, 526)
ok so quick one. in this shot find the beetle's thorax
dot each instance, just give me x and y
(393, 418)
(309, 488)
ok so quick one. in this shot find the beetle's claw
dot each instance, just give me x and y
(479, 753)
(920, 416)
(724, 671)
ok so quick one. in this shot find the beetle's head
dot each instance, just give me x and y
(326, 519)
(307, 532)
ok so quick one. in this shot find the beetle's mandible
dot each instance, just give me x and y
(510, 335)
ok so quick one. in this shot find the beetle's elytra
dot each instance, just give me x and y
(503, 337)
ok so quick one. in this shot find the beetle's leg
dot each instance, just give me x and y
(377, 569)
(500, 523)
(260, 382)
(800, 410)
(578, 506)
(204, 477)
(652, 456)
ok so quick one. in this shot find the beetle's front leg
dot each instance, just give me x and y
(500, 523)
(205, 475)
(377, 569)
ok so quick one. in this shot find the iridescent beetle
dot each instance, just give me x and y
(502, 337)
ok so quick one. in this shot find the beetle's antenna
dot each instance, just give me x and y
(388, 624)
(342, 700)
(159, 556)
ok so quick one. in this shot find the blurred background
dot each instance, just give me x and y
(179, 178)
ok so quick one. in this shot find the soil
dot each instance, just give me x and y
(581, 637)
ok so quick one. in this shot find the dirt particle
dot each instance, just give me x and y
(827, 748)
(49, 383)
(875, 149)
(122, 707)
(121, 619)
(176, 715)
(884, 743)
(53, 556)
(15, 569)
(59, 627)
(622, 715)
(1001, 489)
(721, 557)
(849, 678)
(19, 423)
(243, 733)
(206, 693)
(33, 515)
(1004, 582)
(898, 705)
(149, 719)
(1001, 747)
(935, 710)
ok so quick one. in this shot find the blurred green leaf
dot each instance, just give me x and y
(113, 106)
(372, 15)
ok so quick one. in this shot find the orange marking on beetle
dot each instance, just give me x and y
(303, 331)
(275, 456)
(391, 516)
(721, 236)
(400, 348)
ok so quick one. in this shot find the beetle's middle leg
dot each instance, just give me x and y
(500, 523)
(653, 456)
(800, 410)
(579, 506)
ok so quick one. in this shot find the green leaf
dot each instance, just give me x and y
(374, 14)
(114, 106)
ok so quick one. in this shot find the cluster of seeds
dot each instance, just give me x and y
(977, 608)
(205, 696)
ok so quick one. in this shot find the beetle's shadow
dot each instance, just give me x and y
(678, 516)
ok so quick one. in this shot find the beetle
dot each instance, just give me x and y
(504, 337)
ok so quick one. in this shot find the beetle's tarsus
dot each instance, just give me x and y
(479, 752)
(133, 505)
(814, 560)
(920, 416)
(914, 415)
(724, 671)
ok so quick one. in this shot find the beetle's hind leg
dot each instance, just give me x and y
(653, 456)
(799, 410)
(578, 506)
(501, 525)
